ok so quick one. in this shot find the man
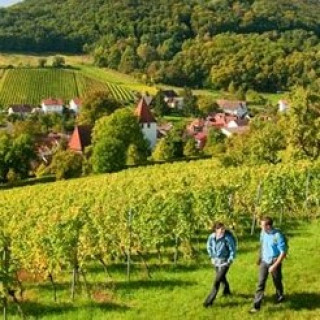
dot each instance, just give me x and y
(273, 251)
(221, 248)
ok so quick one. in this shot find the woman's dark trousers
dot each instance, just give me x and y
(221, 277)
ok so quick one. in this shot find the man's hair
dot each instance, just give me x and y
(267, 220)
(217, 225)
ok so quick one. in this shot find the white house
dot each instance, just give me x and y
(75, 105)
(235, 107)
(176, 103)
(147, 122)
(173, 100)
(169, 95)
(52, 105)
(283, 105)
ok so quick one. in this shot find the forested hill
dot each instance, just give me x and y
(148, 35)
(68, 24)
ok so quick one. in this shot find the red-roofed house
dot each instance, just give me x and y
(147, 122)
(80, 138)
(220, 120)
(196, 126)
(234, 107)
(52, 105)
(75, 105)
(228, 124)
(201, 139)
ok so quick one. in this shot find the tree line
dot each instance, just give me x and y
(262, 45)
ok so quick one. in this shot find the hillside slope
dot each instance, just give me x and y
(66, 25)
(30, 86)
(156, 213)
(161, 39)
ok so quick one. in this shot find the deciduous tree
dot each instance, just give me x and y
(96, 105)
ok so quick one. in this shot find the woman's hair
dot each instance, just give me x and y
(217, 225)
(267, 220)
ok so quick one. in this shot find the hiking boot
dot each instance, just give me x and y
(254, 310)
(280, 299)
(207, 304)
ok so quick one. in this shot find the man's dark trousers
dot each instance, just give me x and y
(221, 277)
(263, 276)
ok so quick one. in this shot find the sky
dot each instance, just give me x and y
(6, 3)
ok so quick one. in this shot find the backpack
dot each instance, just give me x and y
(234, 238)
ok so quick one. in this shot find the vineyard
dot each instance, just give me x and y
(2, 76)
(160, 210)
(86, 84)
(2, 72)
(32, 85)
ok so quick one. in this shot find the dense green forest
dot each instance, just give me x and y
(259, 44)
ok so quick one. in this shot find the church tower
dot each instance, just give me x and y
(147, 122)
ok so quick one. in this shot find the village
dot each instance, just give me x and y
(231, 118)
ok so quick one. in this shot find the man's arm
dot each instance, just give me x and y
(260, 256)
(283, 251)
(277, 262)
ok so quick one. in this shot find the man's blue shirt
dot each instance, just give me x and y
(272, 245)
(222, 248)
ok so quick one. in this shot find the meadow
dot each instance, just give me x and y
(32, 59)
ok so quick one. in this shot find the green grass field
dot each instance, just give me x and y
(32, 59)
(32, 85)
(178, 292)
